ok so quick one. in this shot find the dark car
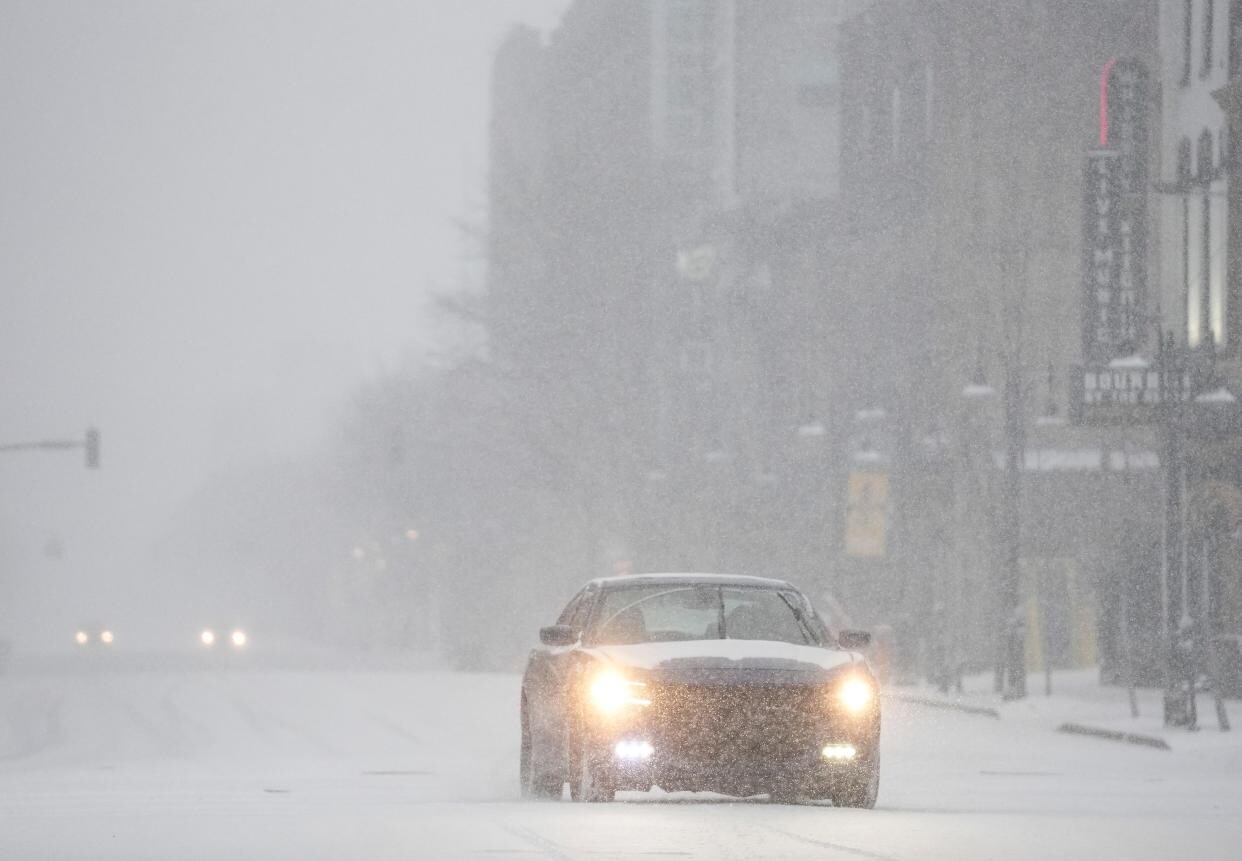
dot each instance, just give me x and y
(699, 682)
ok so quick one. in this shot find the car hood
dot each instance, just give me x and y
(736, 659)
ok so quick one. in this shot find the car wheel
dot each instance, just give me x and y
(590, 780)
(859, 787)
(786, 794)
(534, 784)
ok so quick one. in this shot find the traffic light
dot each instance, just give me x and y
(92, 448)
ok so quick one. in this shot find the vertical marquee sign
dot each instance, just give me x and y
(1115, 235)
(1113, 384)
(1101, 246)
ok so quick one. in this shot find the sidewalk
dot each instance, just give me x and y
(1079, 699)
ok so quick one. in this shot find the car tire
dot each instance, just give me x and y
(859, 787)
(786, 794)
(590, 781)
(534, 784)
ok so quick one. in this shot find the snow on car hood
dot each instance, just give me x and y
(733, 655)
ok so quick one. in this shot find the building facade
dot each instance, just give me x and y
(1200, 299)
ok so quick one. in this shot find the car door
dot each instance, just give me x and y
(543, 682)
(564, 665)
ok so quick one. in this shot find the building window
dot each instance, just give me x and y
(1205, 235)
(1235, 39)
(1187, 28)
(1209, 36)
(896, 115)
(1183, 163)
(1184, 177)
(1204, 168)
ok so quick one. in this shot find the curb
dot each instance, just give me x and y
(1115, 735)
(983, 711)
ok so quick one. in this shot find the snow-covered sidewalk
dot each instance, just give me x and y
(1079, 699)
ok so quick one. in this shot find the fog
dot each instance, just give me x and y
(217, 219)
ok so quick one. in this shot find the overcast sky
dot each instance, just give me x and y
(214, 219)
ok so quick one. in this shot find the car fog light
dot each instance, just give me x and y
(633, 751)
(839, 752)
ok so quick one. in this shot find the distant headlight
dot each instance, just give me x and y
(105, 637)
(610, 692)
(856, 695)
(239, 638)
(81, 638)
(208, 637)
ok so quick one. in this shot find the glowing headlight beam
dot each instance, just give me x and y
(106, 638)
(610, 692)
(208, 637)
(238, 638)
(856, 694)
(81, 638)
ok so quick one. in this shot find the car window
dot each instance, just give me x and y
(765, 614)
(658, 613)
(583, 608)
(665, 612)
(570, 610)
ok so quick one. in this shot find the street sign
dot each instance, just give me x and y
(866, 519)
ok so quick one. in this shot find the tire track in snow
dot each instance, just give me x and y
(395, 728)
(835, 847)
(263, 724)
(549, 847)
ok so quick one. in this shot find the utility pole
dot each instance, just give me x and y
(1011, 636)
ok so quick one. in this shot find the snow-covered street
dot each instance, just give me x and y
(302, 764)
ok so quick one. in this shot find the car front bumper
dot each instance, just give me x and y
(737, 739)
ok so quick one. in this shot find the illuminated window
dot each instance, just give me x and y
(1205, 234)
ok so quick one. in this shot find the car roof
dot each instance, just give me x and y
(721, 579)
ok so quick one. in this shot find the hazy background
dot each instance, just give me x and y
(214, 220)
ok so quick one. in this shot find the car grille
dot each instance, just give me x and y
(719, 722)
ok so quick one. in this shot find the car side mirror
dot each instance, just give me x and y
(854, 639)
(558, 635)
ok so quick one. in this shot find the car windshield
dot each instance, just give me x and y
(691, 611)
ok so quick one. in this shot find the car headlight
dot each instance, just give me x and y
(106, 638)
(208, 637)
(856, 695)
(610, 692)
(81, 638)
(238, 638)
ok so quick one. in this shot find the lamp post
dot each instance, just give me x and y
(1218, 408)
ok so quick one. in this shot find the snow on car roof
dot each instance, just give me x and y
(734, 579)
